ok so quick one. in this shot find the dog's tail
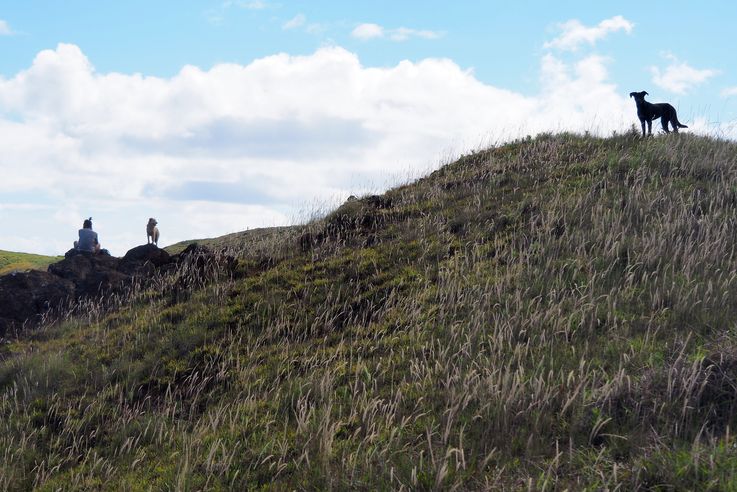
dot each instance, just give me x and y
(680, 125)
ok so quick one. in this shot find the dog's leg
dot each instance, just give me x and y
(642, 122)
(664, 123)
(650, 127)
(672, 119)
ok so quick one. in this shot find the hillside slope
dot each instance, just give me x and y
(238, 241)
(553, 313)
(11, 262)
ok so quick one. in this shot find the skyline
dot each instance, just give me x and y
(222, 116)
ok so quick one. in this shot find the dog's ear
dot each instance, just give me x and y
(644, 93)
(632, 94)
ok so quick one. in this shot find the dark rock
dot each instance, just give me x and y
(79, 266)
(27, 296)
(353, 218)
(193, 249)
(100, 282)
(74, 252)
(378, 201)
(91, 273)
(144, 260)
(202, 257)
(147, 253)
(137, 268)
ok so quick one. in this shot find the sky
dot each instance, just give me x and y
(220, 116)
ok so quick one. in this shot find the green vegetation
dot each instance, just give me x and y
(556, 313)
(236, 241)
(12, 262)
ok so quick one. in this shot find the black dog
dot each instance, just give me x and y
(647, 112)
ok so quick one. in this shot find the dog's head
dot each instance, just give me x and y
(639, 96)
(152, 222)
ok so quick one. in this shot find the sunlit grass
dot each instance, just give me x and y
(18, 262)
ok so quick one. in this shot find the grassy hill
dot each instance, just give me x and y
(554, 313)
(10, 261)
(237, 241)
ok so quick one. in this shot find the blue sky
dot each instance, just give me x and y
(222, 115)
(500, 40)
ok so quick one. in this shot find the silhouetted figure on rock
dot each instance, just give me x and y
(88, 242)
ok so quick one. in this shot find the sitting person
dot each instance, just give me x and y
(87, 239)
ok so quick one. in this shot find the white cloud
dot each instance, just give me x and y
(295, 22)
(218, 14)
(678, 76)
(369, 31)
(209, 152)
(256, 5)
(316, 28)
(5, 29)
(575, 33)
(729, 91)
(250, 5)
(404, 33)
(300, 20)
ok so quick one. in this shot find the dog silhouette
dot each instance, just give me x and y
(647, 112)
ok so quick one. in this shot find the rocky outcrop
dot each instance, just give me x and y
(25, 297)
(90, 273)
(147, 253)
(356, 217)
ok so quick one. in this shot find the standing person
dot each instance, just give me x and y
(87, 238)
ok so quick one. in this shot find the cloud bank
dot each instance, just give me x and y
(208, 152)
